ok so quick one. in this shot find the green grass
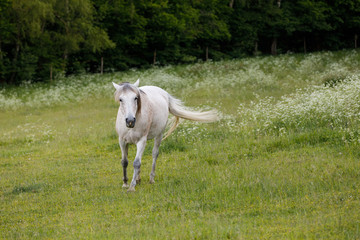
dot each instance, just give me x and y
(276, 166)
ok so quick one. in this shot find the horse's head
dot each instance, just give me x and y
(128, 95)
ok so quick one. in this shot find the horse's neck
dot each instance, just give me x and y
(145, 112)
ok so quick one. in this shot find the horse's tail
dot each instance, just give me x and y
(177, 109)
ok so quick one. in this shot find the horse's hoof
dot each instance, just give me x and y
(152, 181)
(131, 189)
(125, 185)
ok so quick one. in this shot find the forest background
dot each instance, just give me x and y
(40, 39)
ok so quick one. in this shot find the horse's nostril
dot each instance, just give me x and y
(130, 122)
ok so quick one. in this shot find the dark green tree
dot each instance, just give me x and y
(349, 13)
(212, 27)
(246, 24)
(125, 25)
(5, 30)
(27, 20)
(312, 20)
(162, 28)
(41, 37)
(74, 28)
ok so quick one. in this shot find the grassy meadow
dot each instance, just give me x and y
(282, 163)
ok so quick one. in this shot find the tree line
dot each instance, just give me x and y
(42, 38)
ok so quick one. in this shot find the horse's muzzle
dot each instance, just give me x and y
(130, 122)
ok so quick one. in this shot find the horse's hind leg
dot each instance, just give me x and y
(155, 154)
(124, 161)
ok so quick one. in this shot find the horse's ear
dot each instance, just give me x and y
(136, 84)
(116, 86)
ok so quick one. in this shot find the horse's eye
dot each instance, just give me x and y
(120, 100)
(136, 98)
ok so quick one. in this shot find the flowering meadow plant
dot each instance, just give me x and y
(317, 106)
(285, 72)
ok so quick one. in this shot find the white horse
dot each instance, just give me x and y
(143, 115)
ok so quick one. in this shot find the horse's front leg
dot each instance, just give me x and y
(124, 161)
(140, 147)
(155, 154)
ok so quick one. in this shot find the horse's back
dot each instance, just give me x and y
(152, 92)
(157, 96)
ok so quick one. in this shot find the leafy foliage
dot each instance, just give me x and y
(50, 37)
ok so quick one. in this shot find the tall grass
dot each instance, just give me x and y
(336, 107)
(250, 76)
(283, 161)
